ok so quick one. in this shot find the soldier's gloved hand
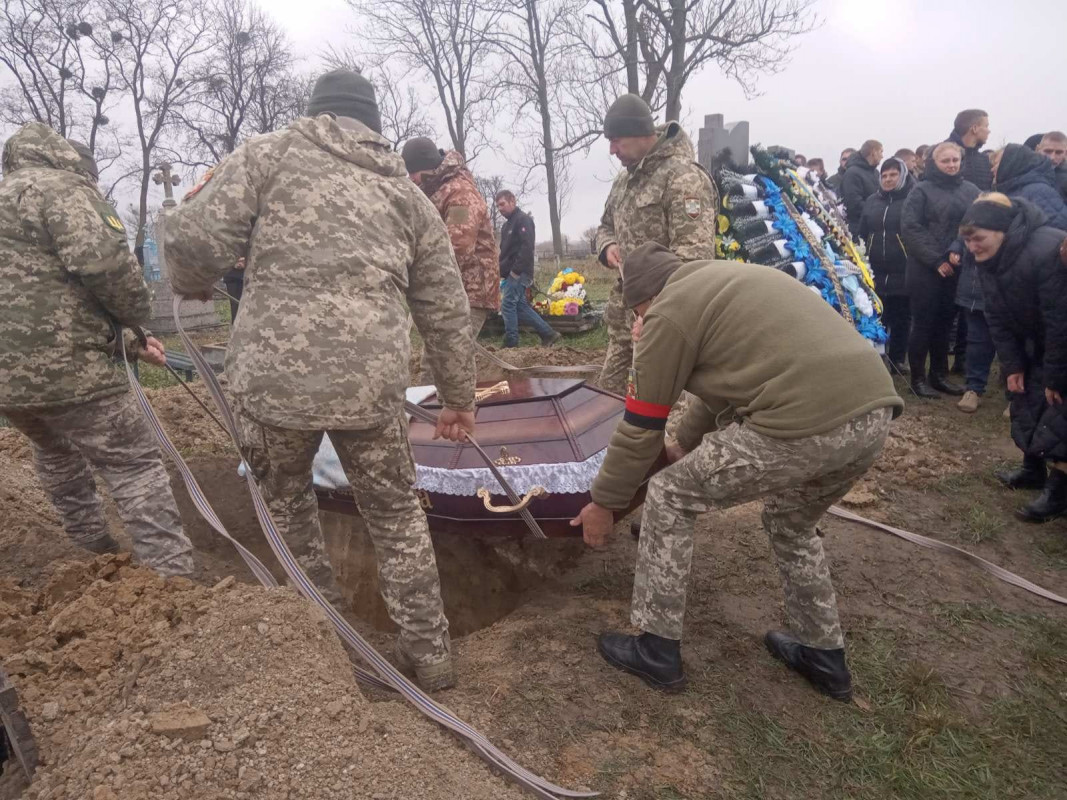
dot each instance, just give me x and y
(153, 352)
(454, 425)
(597, 524)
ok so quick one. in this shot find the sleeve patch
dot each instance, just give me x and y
(110, 216)
(457, 215)
(203, 182)
(693, 207)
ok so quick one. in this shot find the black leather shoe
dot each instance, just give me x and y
(1051, 503)
(941, 384)
(1031, 475)
(922, 389)
(653, 659)
(105, 544)
(826, 670)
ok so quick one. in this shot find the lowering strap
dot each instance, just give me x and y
(386, 674)
(550, 370)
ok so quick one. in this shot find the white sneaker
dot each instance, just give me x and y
(968, 404)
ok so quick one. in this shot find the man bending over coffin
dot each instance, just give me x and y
(795, 408)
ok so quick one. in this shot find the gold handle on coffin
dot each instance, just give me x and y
(537, 491)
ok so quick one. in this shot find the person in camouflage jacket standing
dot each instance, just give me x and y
(662, 196)
(67, 281)
(340, 247)
(445, 179)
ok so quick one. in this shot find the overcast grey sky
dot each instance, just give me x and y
(894, 70)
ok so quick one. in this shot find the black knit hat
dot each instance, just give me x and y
(648, 268)
(345, 93)
(629, 116)
(989, 215)
(421, 154)
(87, 157)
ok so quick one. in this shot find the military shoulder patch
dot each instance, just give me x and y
(203, 182)
(692, 207)
(457, 215)
(110, 216)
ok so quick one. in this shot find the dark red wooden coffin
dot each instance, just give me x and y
(535, 421)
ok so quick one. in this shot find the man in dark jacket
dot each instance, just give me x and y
(1023, 174)
(834, 181)
(1025, 285)
(860, 181)
(1053, 146)
(971, 131)
(880, 231)
(517, 239)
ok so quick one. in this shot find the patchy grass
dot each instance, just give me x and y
(153, 377)
(981, 525)
(916, 743)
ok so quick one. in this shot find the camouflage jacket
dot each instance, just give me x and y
(667, 198)
(452, 190)
(340, 245)
(65, 273)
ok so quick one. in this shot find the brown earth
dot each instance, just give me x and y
(529, 674)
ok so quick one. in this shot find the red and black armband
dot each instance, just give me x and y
(650, 416)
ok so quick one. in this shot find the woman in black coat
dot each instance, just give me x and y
(930, 224)
(880, 231)
(1024, 282)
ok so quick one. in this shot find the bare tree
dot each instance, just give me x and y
(62, 73)
(660, 44)
(450, 42)
(403, 112)
(158, 45)
(539, 47)
(589, 237)
(247, 86)
(490, 186)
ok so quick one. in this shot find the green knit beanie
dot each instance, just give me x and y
(629, 116)
(345, 93)
(421, 154)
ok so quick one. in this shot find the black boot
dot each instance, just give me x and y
(1051, 503)
(105, 544)
(922, 389)
(1031, 475)
(826, 670)
(941, 384)
(653, 659)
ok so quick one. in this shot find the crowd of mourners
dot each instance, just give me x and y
(967, 245)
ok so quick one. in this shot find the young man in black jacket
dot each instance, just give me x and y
(860, 182)
(971, 131)
(517, 239)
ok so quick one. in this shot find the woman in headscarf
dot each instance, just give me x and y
(1024, 283)
(930, 224)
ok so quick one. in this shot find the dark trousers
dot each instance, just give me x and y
(234, 288)
(959, 339)
(980, 350)
(933, 307)
(896, 317)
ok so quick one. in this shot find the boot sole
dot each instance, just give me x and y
(674, 687)
(1039, 520)
(842, 695)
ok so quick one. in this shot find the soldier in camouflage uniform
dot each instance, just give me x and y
(67, 280)
(445, 179)
(340, 247)
(789, 405)
(661, 196)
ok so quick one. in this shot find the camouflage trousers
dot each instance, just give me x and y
(620, 354)
(798, 480)
(381, 472)
(478, 318)
(112, 436)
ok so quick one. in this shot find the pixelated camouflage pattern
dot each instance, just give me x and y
(798, 479)
(653, 201)
(111, 436)
(452, 190)
(482, 364)
(65, 271)
(340, 244)
(381, 471)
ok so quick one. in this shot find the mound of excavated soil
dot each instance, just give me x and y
(139, 687)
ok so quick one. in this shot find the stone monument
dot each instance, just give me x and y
(195, 313)
(715, 137)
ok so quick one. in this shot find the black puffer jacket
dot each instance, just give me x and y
(975, 167)
(1061, 180)
(930, 221)
(1026, 175)
(880, 231)
(1025, 288)
(860, 181)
